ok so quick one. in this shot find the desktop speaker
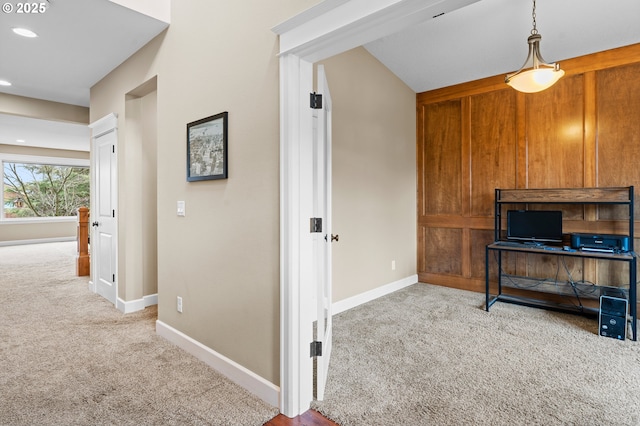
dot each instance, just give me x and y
(612, 319)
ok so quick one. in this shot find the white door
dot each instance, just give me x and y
(103, 214)
(323, 240)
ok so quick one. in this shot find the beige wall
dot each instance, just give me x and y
(43, 152)
(46, 110)
(138, 264)
(374, 179)
(18, 233)
(222, 258)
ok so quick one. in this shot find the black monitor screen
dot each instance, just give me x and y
(534, 225)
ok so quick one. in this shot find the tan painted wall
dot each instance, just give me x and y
(138, 258)
(47, 110)
(18, 233)
(223, 257)
(374, 179)
(43, 152)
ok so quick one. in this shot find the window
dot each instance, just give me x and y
(44, 189)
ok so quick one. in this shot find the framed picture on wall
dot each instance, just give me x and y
(207, 148)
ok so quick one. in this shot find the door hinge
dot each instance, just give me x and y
(113, 212)
(316, 349)
(114, 278)
(316, 224)
(113, 149)
(316, 100)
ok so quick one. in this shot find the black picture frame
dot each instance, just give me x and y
(207, 148)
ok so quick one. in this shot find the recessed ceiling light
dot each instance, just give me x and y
(20, 140)
(4, 83)
(24, 32)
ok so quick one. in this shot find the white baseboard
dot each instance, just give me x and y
(37, 241)
(126, 307)
(240, 375)
(367, 296)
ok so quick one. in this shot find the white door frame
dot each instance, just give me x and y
(106, 124)
(328, 29)
(323, 240)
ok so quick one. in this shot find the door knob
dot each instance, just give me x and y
(96, 223)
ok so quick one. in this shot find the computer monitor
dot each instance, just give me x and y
(534, 225)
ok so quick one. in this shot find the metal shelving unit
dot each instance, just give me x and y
(595, 196)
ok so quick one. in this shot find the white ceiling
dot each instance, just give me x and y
(80, 41)
(489, 38)
(43, 133)
(83, 40)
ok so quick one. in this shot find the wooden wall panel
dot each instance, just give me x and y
(611, 274)
(474, 137)
(554, 135)
(493, 148)
(618, 130)
(440, 152)
(442, 251)
(479, 240)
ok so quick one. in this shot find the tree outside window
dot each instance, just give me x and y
(44, 190)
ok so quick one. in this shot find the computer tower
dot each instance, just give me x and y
(612, 319)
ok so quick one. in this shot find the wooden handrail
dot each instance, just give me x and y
(83, 260)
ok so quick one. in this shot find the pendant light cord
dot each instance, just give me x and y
(533, 15)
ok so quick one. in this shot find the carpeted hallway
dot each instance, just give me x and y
(68, 357)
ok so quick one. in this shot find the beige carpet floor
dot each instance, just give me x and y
(68, 357)
(429, 355)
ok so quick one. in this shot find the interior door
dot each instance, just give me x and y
(322, 244)
(103, 215)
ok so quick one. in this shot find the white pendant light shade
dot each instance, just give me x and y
(539, 75)
(535, 75)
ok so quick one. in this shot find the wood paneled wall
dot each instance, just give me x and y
(482, 135)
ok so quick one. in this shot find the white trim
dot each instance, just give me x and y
(307, 15)
(41, 159)
(296, 245)
(368, 296)
(32, 220)
(306, 38)
(128, 306)
(37, 241)
(238, 374)
(320, 33)
(104, 125)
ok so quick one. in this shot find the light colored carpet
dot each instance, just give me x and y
(429, 355)
(68, 357)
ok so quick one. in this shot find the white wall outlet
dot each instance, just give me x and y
(181, 208)
(179, 306)
(393, 265)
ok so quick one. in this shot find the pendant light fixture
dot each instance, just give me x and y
(535, 75)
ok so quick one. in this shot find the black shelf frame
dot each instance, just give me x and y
(595, 196)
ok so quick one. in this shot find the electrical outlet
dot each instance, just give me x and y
(393, 265)
(181, 208)
(179, 307)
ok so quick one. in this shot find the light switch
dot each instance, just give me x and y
(181, 211)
